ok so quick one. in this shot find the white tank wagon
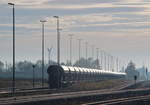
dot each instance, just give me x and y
(60, 75)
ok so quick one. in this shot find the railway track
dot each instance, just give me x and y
(124, 101)
(73, 95)
(24, 92)
(55, 94)
(36, 91)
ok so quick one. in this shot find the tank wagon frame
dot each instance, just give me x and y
(60, 75)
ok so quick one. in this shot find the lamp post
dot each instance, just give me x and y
(49, 55)
(58, 40)
(71, 35)
(147, 73)
(13, 78)
(79, 50)
(97, 49)
(112, 63)
(117, 64)
(86, 52)
(101, 53)
(93, 51)
(105, 61)
(108, 62)
(43, 21)
(33, 79)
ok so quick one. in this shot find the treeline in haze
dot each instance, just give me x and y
(24, 69)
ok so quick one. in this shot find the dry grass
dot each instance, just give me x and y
(20, 83)
(97, 85)
(27, 83)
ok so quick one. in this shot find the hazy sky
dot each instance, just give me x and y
(120, 27)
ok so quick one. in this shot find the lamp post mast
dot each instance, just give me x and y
(42, 21)
(13, 78)
(79, 50)
(86, 53)
(93, 51)
(71, 35)
(33, 78)
(97, 58)
(58, 40)
(101, 52)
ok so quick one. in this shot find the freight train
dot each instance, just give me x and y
(60, 75)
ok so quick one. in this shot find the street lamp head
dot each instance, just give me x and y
(43, 21)
(11, 4)
(56, 16)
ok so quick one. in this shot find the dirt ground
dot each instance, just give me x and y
(20, 83)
